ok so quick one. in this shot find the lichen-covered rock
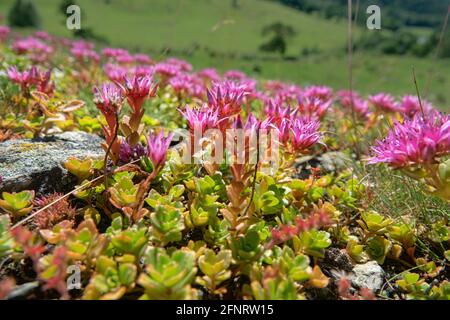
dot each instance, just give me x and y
(38, 163)
(368, 275)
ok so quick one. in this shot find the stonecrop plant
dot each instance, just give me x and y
(420, 147)
(218, 186)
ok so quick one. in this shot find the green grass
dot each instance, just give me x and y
(192, 28)
(372, 73)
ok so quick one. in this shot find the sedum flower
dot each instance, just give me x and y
(157, 146)
(115, 72)
(305, 133)
(142, 58)
(227, 97)
(318, 92)
(301, 133)
(114, 52)
(235, 75)
(410, 106)
(137, 89)
(313, 107)
(166, 70)
(201, 119)
(180, 64)
(187, 84)
(349, 99)
(209, 74)
(109, 99)
(384, 102)
(4, 32)
(277, 112)
(32, 78)
(84, 54)
(34, 48)
(416, 141)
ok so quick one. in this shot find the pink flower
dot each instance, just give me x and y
(4, 32)
(305, 133)
(125, 58)
(416, 141)
(157, 146)
(115, 72)
(43, 35)
(351, 99)
(235, 75)
(84, 54)
(210, 75)
(313, 107)
(36, 49)
(410, 106)
(109, 100)
(288, 93)
(32, 77)
(201, 119)
(80, 44)
(167, 70)
(384, 102)
(302, 133)
(142, 58)
(284, 130)
(227, 97)
(318, 92)
(143, 71)
(187, 84)
(180, 64)
(137, 89)
(275, 111)
(114, 52)
(274, 85)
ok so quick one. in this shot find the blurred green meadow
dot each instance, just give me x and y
(227, 34)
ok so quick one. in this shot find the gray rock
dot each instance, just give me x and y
(334, 161)
(37, 164)
(368, 275)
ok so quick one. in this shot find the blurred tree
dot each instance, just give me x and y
(280, 35)
(23, 14)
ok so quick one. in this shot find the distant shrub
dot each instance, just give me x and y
(280, 34)
(23, 14)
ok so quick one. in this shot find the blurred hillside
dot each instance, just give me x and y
(396, 13)
(228, 34)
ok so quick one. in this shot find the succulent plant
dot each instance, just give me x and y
(168, 275)
(112, 278)
(167, 224)
(124, 193)
(378, 247)
(82, 169)
(312, 242)
(215, 268)
(17, 204)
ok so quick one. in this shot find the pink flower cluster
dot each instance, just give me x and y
(30, 78)
(84, 51)
(4, 32)
(37, 50)
(351, 100)
(415, 141)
